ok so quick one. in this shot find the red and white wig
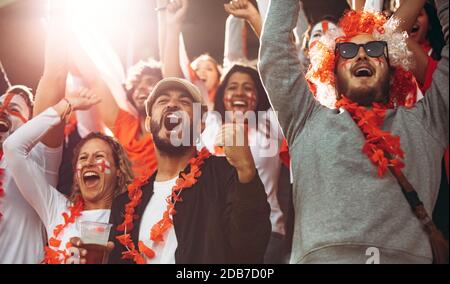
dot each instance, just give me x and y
(321, 74)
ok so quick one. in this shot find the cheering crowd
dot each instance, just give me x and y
(334, 141)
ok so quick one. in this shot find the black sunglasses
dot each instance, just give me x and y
(349, 50)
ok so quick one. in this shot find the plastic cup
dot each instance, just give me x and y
(94, 236)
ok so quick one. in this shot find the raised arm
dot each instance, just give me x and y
(244, 9)
(51, 88)
(407, 14)
(161, 9)
(358, 4)
(246, 198)
(175, 16)
(372, 5)
(302, 26)
(108, 108)
(432, 111)
(29, 176)
(235, 49)
(280, 68)
(235, 41)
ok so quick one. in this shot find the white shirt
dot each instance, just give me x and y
(22, 235)
(73, 230)
(265, 143)
(164, 251)
(35, 186)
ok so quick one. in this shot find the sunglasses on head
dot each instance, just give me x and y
(349, 50)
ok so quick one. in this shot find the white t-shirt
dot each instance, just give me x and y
(74, 229)
(22, 235)
(33, 183)
(60, 205)
(265, 143)
(53, 214)
(164, 251)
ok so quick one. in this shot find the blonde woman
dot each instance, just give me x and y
(101, 172)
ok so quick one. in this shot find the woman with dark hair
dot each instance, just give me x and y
(101, 172)
(425, 38)
(204, 71)
(268, 165)
(241, 94)
(257, 101)
(427, 31)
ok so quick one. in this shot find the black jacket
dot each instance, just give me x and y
(219, 221)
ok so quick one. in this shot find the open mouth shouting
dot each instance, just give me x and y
(241, 103)
(203, 79)
(5, 124)
(91, 179)
(363, 70)
(414, 30)
(171, 120)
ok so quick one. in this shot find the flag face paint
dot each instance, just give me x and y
(104, 166)
(79, 167)
(14, 105)
(250, 97)
(319, 30)
(13, 110)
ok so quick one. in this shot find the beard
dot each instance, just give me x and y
(365, 95)
(164, 145)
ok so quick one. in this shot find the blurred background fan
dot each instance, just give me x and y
(129, 25)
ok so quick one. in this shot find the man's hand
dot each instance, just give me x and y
(77, 243)
(234, 138)
(176, 12)
(243, 9)
(83, 99)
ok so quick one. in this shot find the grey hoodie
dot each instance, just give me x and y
(342, 208)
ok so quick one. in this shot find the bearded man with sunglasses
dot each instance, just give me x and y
(350, 161)
(363, 70)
